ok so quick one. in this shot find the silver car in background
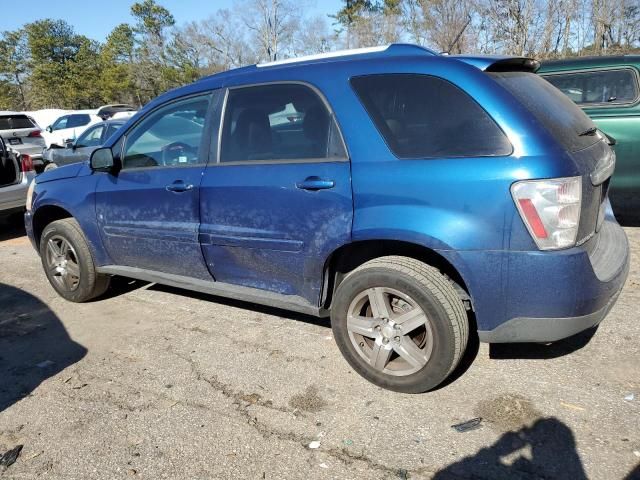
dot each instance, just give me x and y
(16, 174)
(80, 150)
(21, 133)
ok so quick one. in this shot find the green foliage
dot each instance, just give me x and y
(152, 18)
(14, 69)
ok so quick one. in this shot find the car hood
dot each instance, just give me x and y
(66, 171)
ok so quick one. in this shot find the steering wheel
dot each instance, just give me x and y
(172, 152)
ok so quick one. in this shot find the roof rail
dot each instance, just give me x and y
(392, 49)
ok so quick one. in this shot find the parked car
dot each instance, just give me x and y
(608, 90)
(81, 149)
(68, 127)
(16, 174)
(109, 111)
(22, 134)
(416, 198)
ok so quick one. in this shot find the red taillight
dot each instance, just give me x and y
(27, 163)
(36, 133)
(531, 214)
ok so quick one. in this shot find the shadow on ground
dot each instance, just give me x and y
(538, 351)
(230, 302)
(11, 227)
(547, 449)
(34, 345)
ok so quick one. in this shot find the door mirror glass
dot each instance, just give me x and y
(102, 159)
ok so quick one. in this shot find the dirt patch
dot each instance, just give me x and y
(308, 401)
(508, 412)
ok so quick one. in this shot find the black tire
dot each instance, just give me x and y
(433, 293)
(89, 283)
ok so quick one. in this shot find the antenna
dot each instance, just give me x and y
(459, 35)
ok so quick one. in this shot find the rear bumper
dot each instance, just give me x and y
(548, 296)
(520, 330)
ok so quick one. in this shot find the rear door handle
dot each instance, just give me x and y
(315, 183)
(179, 186)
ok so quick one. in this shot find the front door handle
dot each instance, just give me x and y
(315, 183)
(179, 186)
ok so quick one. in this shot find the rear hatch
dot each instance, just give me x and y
(575, 132)
(21, 133)
(10, 171)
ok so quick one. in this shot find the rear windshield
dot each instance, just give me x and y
(563, 118)
(15, 122)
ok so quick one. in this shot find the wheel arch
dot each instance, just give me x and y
(350, 256)
(43, 216)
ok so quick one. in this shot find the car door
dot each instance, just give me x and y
(148, 212)
(278, 199)
(56, 131)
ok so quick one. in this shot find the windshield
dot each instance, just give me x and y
(563, 118)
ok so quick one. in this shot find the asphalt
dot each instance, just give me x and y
(155, 382)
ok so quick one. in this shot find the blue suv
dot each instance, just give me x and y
(412, 197)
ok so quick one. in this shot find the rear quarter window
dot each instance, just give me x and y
(15, 122)
(422, 116)
(562, 118)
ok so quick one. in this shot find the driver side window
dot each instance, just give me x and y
(60, 124)
(91, 138)
(168, 137)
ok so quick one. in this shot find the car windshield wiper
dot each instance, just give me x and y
(588, 131)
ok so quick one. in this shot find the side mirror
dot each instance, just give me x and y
(69, 144)
(49, 129)
(102, 159)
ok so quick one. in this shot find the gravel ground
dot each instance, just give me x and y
(155, 382)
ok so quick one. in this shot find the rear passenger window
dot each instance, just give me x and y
(421, 116)
(78, 121)
(598, 87)
(285, 122)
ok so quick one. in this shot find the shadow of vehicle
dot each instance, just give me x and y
(34, 345)
(539, 351)
(547, 449)
(634, 474)
(11, 226)
(230, 302)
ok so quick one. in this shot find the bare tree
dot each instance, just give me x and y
(445, 25)
(272, 24)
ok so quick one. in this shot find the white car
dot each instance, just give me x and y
(68, 127)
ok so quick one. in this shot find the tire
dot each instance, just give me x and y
(425, 332)
(68, 263)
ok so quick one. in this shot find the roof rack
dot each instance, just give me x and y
(394, 48)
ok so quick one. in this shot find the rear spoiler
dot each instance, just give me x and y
(495, 63)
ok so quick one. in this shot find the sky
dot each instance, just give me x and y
(96, 19)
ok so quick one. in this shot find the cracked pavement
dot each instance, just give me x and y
(154, 382)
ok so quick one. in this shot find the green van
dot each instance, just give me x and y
(608, 90)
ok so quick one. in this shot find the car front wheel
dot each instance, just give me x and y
(68, 262)
(400, 324)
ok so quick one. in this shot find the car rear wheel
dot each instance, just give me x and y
(68, 263)
(400, 324)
